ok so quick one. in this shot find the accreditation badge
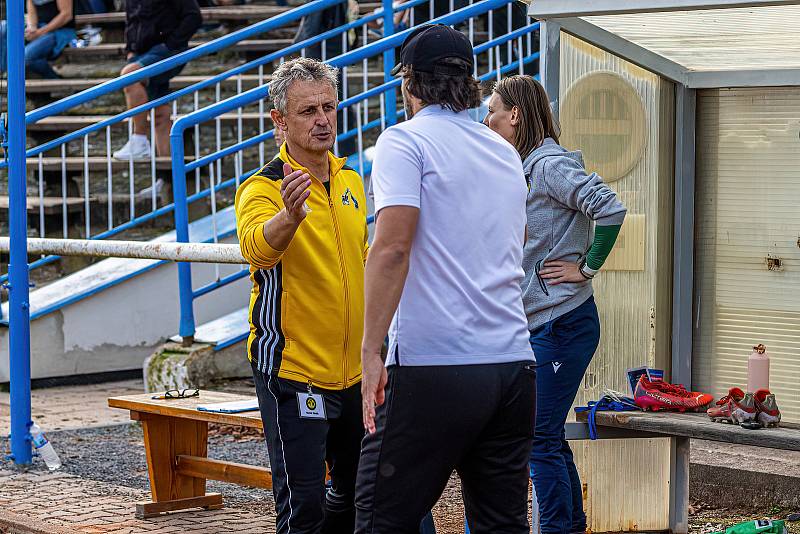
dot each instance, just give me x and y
(311, 405)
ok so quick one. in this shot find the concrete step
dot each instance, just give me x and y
(223, 331)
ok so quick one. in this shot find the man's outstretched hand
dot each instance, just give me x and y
(294, 192)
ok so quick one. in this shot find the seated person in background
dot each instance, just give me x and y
(154, 31)
(401, 19)
(50, 28)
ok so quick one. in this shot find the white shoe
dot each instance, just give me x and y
(134, 149)
(147, 192)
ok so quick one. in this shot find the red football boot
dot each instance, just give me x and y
(658, 395)
(767, 408)
(735, 407)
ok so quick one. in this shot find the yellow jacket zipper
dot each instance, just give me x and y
(335, 222)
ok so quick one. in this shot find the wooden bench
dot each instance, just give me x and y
(176, 445)
(680, 428)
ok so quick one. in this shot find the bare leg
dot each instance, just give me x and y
(135, 96)
(162, 127)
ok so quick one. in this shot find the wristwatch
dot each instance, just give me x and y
(585, 270)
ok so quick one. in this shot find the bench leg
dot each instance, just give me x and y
(679, 486)
(165, 438)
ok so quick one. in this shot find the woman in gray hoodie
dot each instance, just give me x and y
(573, 221)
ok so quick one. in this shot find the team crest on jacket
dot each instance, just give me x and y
(348, 197)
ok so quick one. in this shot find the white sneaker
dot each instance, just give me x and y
(135, 149)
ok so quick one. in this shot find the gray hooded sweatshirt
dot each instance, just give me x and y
(563, 200)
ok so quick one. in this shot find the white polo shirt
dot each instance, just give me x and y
(461, 302)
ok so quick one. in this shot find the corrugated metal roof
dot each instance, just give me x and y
(716, 39)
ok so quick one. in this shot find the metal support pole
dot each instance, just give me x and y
(186, 326)
(550, 61)
(682, 291)
(19, 312)
(388, 63)
(679, 485)
(683, 244)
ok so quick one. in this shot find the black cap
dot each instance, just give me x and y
(426, 47)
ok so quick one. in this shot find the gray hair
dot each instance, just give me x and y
(299, 69)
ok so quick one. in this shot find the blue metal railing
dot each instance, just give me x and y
(20, 336)
(384, 46)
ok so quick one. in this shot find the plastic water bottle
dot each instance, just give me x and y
(45, 448)
(758, 369)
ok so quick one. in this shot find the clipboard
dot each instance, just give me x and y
(248, 405)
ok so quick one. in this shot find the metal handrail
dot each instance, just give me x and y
(205, 253)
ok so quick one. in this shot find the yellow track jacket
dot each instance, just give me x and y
(307, 302)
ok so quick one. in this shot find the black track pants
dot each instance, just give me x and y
(475, 419)
(298, 449)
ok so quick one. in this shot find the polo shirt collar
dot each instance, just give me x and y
(436, 109)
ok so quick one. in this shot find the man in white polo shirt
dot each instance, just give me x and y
(458, 389)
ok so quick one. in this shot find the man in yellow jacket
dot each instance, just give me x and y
(302, 227)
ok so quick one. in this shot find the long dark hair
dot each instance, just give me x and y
(536, 120)
(457, 93)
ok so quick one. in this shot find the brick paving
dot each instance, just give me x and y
(59, 502)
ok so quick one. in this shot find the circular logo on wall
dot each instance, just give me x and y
(603, 116)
